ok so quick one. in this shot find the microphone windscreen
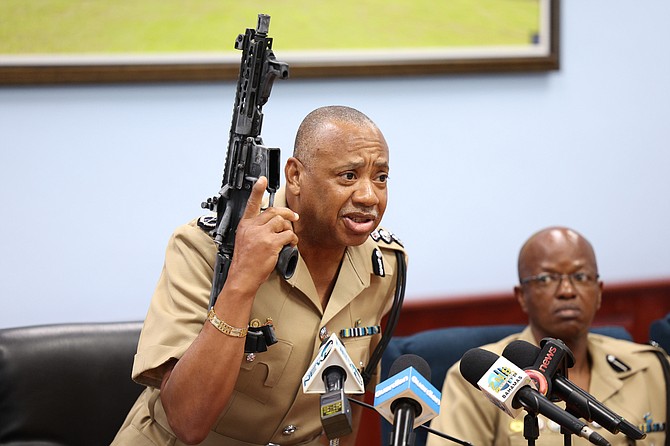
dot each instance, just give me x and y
(410, 360)
(474, 364)
(521, 353)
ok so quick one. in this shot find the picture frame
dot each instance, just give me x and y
(202, 67)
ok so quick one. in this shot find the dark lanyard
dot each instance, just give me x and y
(392, 322)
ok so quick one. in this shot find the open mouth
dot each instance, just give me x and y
(360, 224)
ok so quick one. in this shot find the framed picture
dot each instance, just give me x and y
(79, 41)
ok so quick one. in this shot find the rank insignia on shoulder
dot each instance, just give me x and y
(378, 263)
(207, 222)
(616, 364)
(386, 236)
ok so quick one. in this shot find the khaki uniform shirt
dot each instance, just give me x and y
(636, 392)
(268, 404)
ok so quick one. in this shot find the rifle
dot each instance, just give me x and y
(247, 158)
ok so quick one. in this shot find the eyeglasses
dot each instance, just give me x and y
(549, 280)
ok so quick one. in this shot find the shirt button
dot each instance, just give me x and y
(290, 429)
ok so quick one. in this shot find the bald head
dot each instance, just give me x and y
(547, 244)
(558, 286)
(310, 133)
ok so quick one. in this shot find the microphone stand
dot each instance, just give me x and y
(422, 426)
(531, 428)
(567, 437)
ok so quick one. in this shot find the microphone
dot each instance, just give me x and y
(538, 363)
(338, 375)
(510, 388)
(407, 399)
(421, 426)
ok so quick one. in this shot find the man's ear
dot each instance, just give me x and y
(518, 293)
(292, 173)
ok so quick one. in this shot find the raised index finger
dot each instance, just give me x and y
(256, 198)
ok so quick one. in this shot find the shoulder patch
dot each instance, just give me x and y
(207, 222)
(385, 236)
(378, 263)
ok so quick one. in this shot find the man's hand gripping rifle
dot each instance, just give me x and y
(247, 158)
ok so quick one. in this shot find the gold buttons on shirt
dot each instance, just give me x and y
(516, 426)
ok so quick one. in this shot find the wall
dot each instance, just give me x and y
(94, 178)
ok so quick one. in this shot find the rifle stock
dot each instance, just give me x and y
(247, 158)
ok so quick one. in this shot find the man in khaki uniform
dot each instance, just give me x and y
(201, 387)
(560, 291)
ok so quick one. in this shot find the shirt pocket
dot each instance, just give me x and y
(358, 350)
(258, 378)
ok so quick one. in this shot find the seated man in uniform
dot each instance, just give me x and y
(201, 387)
(560, 291)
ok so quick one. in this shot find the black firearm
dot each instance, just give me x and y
(247, 158)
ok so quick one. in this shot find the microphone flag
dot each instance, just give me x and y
(501, 382)
(332, 353)
(407, 384)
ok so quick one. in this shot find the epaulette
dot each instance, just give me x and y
(381, 236)
(384, 239)
(626, 359)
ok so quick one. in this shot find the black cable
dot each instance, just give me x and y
(392, 321)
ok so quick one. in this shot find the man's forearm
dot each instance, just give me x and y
(199, 386)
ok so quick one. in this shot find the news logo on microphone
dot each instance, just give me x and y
(332, 353)
(409, 383)
(501, 382)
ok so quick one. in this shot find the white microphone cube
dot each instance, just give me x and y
(332, 353)
(501, 382)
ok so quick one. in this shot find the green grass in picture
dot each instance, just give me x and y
(160, 26)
